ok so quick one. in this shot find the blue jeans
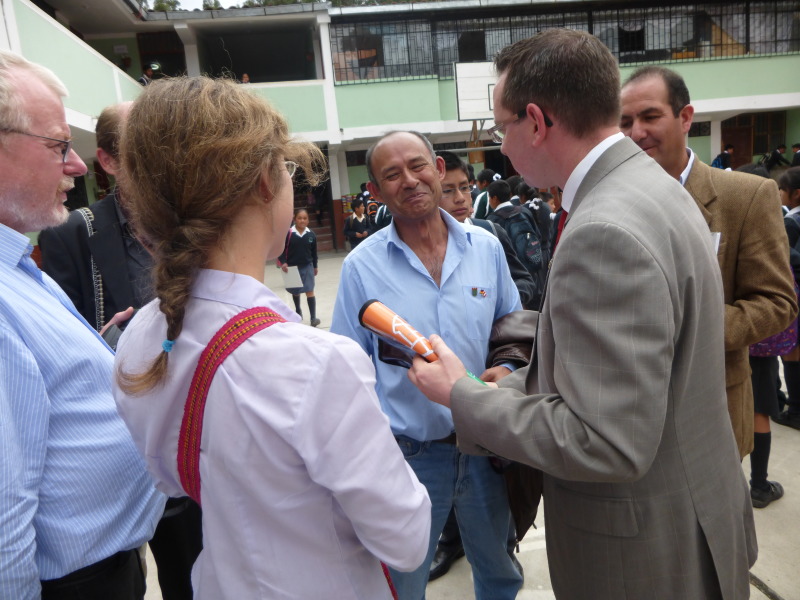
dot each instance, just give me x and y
(478, 494)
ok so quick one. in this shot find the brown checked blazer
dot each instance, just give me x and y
(757, 281)
(626, 414)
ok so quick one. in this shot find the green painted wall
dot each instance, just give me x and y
(106, 48)
(47, 42)
(792, 130)
(91, 185)
(303, 106)
(355, 177)
(701, 146)
(389, 102)
(732, 78)
(448, 106)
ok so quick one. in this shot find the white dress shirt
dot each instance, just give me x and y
(303, 487)
(576, 177)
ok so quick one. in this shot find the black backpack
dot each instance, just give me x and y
(521, 228)
(717, 162)
(383, 217)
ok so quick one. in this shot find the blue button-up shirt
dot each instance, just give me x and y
(73, 488)
(476, 289)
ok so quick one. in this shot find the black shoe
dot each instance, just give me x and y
(762, 498)
(315, 322)
(790, 420)
(443, 559)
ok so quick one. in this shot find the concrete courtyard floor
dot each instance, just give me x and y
(776, 575)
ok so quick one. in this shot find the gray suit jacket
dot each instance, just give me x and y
(626, 413)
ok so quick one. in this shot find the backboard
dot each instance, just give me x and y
(474, 85)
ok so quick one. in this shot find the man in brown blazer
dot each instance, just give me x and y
(743, 213)
(623, 408)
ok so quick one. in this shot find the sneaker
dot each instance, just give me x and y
(315, 322)
(762, 498)
(788, 419)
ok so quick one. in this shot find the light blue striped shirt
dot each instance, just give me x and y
(73, 488)
(475, 290)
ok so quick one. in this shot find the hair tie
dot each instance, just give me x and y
(167, 345)
(497, 176)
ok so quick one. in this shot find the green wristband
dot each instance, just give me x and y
(478, 379)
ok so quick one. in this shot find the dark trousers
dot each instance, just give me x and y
(177, 542)
(119, 577)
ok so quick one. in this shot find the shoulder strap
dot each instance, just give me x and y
(239, 328)
(97, 279)
(485, 224)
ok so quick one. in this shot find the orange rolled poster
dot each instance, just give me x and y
(386, 323)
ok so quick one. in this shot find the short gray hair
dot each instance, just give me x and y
(12, 113)
(368, 159)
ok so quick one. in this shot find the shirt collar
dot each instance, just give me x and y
(239, 290)
(577, 175)
(685, 174)
(305, 231)
(454, 230)
(794, 211)
(14, 247)
(123, 220)
(503, 205)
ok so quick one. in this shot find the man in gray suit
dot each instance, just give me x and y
(623, 407)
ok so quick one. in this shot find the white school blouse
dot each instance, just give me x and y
(303, 486)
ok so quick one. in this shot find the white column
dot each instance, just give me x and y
(716, 138)
(329, 93)
(336, 158)
(189, 40)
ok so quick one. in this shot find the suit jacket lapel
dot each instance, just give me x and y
(701, 188)
(108, 250)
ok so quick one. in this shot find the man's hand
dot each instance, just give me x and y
(495, 373)
(118, 318)
(437, 379)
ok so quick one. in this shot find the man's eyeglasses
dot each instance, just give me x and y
(291, 166)
(449, 191)
(66, 145)
(498, 132)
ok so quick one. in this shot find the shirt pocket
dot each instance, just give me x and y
(479, 307)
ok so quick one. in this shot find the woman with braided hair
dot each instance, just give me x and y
(304, 489)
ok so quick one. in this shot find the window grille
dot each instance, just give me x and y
(397, 48)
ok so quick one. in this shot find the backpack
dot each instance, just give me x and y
(543, 222)
(527, 241)
(780, 343)
(764, 160)
(372, 207)
(383, 217)
(717, 162)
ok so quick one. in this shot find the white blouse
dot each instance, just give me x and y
(304, 488)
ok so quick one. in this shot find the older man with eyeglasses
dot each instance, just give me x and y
(75, 499)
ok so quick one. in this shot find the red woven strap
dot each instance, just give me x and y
(225, 341)
(386, 574)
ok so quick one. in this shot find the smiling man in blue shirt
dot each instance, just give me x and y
(75, 498)
(445, 278)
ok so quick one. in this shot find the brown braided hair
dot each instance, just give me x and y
(193, 153)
